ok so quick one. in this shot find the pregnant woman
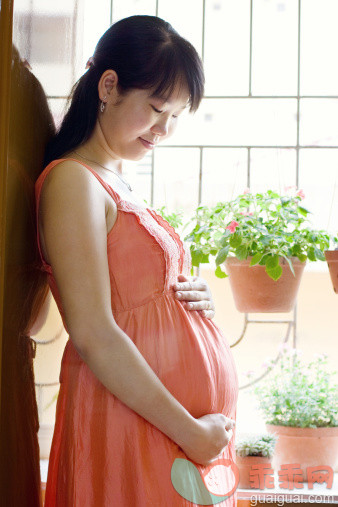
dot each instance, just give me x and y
(146, 381)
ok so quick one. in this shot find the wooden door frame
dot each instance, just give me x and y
(6, 34)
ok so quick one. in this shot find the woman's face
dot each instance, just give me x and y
(133, 124)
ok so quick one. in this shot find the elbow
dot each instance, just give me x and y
(93, 335)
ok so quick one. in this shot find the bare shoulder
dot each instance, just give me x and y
(73, 229)
(72, 187)
(72, 177)
(71, 194)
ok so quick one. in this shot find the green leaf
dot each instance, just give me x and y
(275, 273)
(272, 262)
(235, 240)
(241, 252)
(263, 260)
(222, 255)
(225, 238)
(256, 259)
(303, 211)
(198, 257)
(311, 254)
(219, 273)
(319, 254)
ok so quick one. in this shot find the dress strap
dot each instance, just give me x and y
(38, 186)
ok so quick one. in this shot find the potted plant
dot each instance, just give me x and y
(299, 403)
(264, 240)
(332, 261)
(253, 450)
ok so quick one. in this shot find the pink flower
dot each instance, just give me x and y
(232, 226)
(246, 214)
(290, 188)
(301, 194)
(246, 190)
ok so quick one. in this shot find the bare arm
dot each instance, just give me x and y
(75, 235)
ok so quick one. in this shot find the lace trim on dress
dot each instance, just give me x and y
(172, 251)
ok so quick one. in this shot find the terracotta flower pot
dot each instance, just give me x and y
(255, 292)
(332, 261)
(244, 465)
(310, 447)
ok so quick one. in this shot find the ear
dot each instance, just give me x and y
(107, 86)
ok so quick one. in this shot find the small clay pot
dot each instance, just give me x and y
(331, 257)
(255, 292)
(244, 465)
(310, 447)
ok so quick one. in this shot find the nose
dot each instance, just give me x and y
(161, 127)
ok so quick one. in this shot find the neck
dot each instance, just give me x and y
(96, 150)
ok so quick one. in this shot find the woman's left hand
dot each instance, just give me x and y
(195, 294)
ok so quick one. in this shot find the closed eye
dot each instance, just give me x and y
(159, 111)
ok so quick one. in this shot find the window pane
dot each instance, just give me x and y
(186, 17)
(126, 8)
(272, 169)
(96, 20)
(319, 42)
(57, 49)
(227, 47)
(176, 179)
(138, 174)
(318, 122)
(318, 177)
(240, 122)
(274, 61)
(58, 109)
(224, 174)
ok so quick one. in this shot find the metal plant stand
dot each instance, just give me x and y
(290, 325)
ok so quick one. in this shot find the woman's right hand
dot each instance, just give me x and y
(214, 432)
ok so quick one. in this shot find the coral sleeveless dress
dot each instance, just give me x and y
(103, 453)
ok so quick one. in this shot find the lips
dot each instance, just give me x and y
(148, 144)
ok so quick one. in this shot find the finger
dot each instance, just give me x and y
(193, 295)
(208, 314)
(187, 285)
(182, 278)
(229, 424)
(203, 305)
(191, 285)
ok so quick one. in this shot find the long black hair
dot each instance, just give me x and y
(146, 52)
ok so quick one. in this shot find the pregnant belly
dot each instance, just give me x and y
(188, 353)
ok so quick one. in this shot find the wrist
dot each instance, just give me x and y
(189, 432)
